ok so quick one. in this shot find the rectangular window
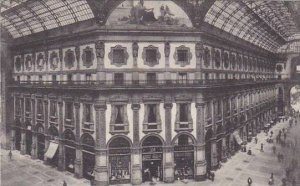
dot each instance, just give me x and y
(183, 112)
(18, 106)
(88, 112)
(88, 77)
(182, 55)
(40, 107)
(151, 56)
(151, 78)
(69, 78)
(53, 78)
(27, 105)
(53, 108)
(40, 78)
(69, 110)
(18, 79)
(119, 78)
(119, 124)
(152, 113)
(118, 56)
(28, 78)
(182, 77)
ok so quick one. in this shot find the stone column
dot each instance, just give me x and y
(224, 147)
(137, 164)
(23, 130)
(200, 169)
(61, 153)
(78, 160)
(100, 52)
(46, 121)
(169, 159)
(214, 155)
(101, 169)
(34, 137)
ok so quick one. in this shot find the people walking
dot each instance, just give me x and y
(255, 140)
(249, 181)
(261, 147)
(10, 155)
(212, 176)
(65, 183)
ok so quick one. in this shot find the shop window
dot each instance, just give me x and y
(182, 78)
(118, 55)
(184, 157)
(119, 122)
(152, 118)
(151, 78)
(119, 161)
(119, 78)
(183, 119)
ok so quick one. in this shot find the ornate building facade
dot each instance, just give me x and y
(140, 93)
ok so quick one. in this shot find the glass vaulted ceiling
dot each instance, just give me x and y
(267, 24)
(22, 17)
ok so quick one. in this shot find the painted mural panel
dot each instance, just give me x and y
(149, 13)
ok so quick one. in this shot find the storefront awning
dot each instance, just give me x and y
(237, 138)
(51, 150)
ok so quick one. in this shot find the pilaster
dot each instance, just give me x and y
(169, 162)
(100, 52)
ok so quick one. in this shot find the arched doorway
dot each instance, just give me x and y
(28, 136)
(88, 155)
(119, 160)
(18, 135)
(184, 157)
(40, 141)
(70, 151)
(53, 132)
(152, 156)
(208, 136)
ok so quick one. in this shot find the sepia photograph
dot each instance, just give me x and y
(149, 92)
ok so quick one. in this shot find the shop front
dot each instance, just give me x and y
(28, 136)
(208, 137)
(40, 141)
(52, 151)
(119, 161)
(184, 157)
(152, 156)
(88, 156)
(70, 152)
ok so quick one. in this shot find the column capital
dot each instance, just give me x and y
(76, 105)
(168, 105)
(100, 106)
(135, 106)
